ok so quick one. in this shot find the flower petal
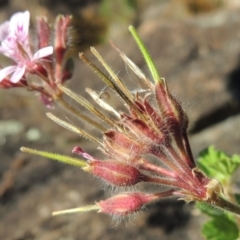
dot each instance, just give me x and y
(4, 30)
(14, 38)
(6, 71)
(43, 52)
(8, 47)
(17, 75)
(19, 25)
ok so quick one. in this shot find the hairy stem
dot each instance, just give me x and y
(223, 204)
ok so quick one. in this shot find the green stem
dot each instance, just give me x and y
(223, 204)
(151, 66)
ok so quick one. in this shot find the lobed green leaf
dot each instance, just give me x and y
(220, 228)
(217, 164)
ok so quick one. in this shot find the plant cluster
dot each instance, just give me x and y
(145, 142)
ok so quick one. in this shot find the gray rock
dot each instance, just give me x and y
(225, 136)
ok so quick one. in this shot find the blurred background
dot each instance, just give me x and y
(196, 46)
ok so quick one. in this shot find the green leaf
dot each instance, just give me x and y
(236, 158)
(220, 228)
(217, 164)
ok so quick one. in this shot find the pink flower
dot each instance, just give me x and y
(14, 37)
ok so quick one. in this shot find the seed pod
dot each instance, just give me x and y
(115, 173)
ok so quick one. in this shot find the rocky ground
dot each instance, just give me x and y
(199, 57)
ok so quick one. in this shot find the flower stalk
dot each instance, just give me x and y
(223, 204)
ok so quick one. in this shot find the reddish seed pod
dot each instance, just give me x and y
(120, 139)
(116, 173)
(120, 146)
(125, 204)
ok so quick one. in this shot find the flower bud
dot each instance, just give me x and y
(44, 32)
(116, 173)
(61, 27)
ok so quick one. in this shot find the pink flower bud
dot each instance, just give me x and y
(125, 204)
(116, 173)
(43, 31)
(61, 27)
